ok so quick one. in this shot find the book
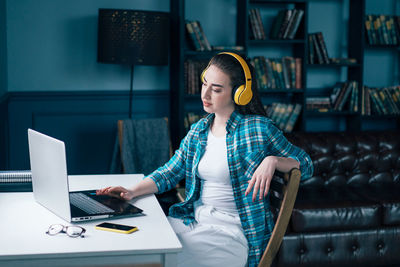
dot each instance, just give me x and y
(260, 25)
(393, 32)
(368, 29)
(253, 25)
(374, 33)
(384, 30)
(375, 95)
(275, 111)
(279, 72)
(356, 97)
(197, 33)
(284, 23)
(365, 102)
(293, 118)
(203, 37)
(335, 92)
(376, 107)
(310, 50)
(285, 116)
(286, 72)
(319, 103)
(289, 24)
(346, 95)
(17, 176)
(280, 114)
(378, 29)
(293, 71)
(318, 57)
(294, 26)
(273, 34)
(393, 105)
(340, 95)
(353, 107)
(270, 74)
(322, 45)
(298, 81)
(195, 41)
(261, 77)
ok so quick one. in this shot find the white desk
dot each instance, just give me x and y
(24, 242)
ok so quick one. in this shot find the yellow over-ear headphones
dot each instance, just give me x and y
(243, 93)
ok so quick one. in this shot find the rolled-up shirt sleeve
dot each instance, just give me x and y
(280, 146)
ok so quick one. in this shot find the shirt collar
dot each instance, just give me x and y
(230, 125)
(233, 121)
(207, 122)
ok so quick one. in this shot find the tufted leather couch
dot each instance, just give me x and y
(348, 213)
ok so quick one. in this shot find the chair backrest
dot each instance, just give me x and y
(284, 187)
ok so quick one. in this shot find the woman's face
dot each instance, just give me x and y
(216, 92)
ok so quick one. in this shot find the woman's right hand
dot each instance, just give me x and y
(116, 191)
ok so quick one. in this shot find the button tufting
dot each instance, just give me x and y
(354, 247)
(329, 249)
(302, 251)
(380, 246)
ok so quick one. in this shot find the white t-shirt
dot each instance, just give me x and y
(213, 169)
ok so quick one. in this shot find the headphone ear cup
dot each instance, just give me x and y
(242, 95)
(202, 75)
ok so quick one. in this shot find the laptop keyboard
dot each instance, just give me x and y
(88, 204)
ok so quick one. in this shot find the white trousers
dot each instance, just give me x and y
(215, 239)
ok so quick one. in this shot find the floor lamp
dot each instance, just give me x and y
(133, 37)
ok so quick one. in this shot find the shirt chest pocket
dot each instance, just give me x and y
(250, 162)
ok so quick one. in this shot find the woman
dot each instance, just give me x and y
(228, 160)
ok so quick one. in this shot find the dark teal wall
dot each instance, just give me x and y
(52, 46)
(3, 48)
(85, 121)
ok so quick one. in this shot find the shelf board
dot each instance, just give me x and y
(277, 41)
(192, 96)
(276, 1)
(329, 113)
(209, 54)
(334, 65)
(382, 46)
(388, 116)
(281, 91)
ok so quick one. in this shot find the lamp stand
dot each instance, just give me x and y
(131, 94)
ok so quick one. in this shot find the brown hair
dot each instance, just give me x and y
(231, 67)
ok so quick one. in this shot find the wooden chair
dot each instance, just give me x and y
(283, 194)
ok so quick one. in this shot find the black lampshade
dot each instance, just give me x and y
(133, 37)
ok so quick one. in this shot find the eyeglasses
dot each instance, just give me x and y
(71, 231)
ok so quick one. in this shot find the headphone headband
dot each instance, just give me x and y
(242, 94)
(245, 67)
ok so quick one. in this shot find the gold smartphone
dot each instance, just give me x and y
(114, 227)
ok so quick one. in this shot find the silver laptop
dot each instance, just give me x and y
(51, 189)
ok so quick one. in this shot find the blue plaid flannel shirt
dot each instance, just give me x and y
(249, 139)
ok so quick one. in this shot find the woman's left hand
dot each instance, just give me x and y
(262, 177)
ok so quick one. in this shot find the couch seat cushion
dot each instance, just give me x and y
(340, 216)
(391, 213)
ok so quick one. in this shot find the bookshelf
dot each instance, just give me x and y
(297, 47)
(183, 102)
(294, 47)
